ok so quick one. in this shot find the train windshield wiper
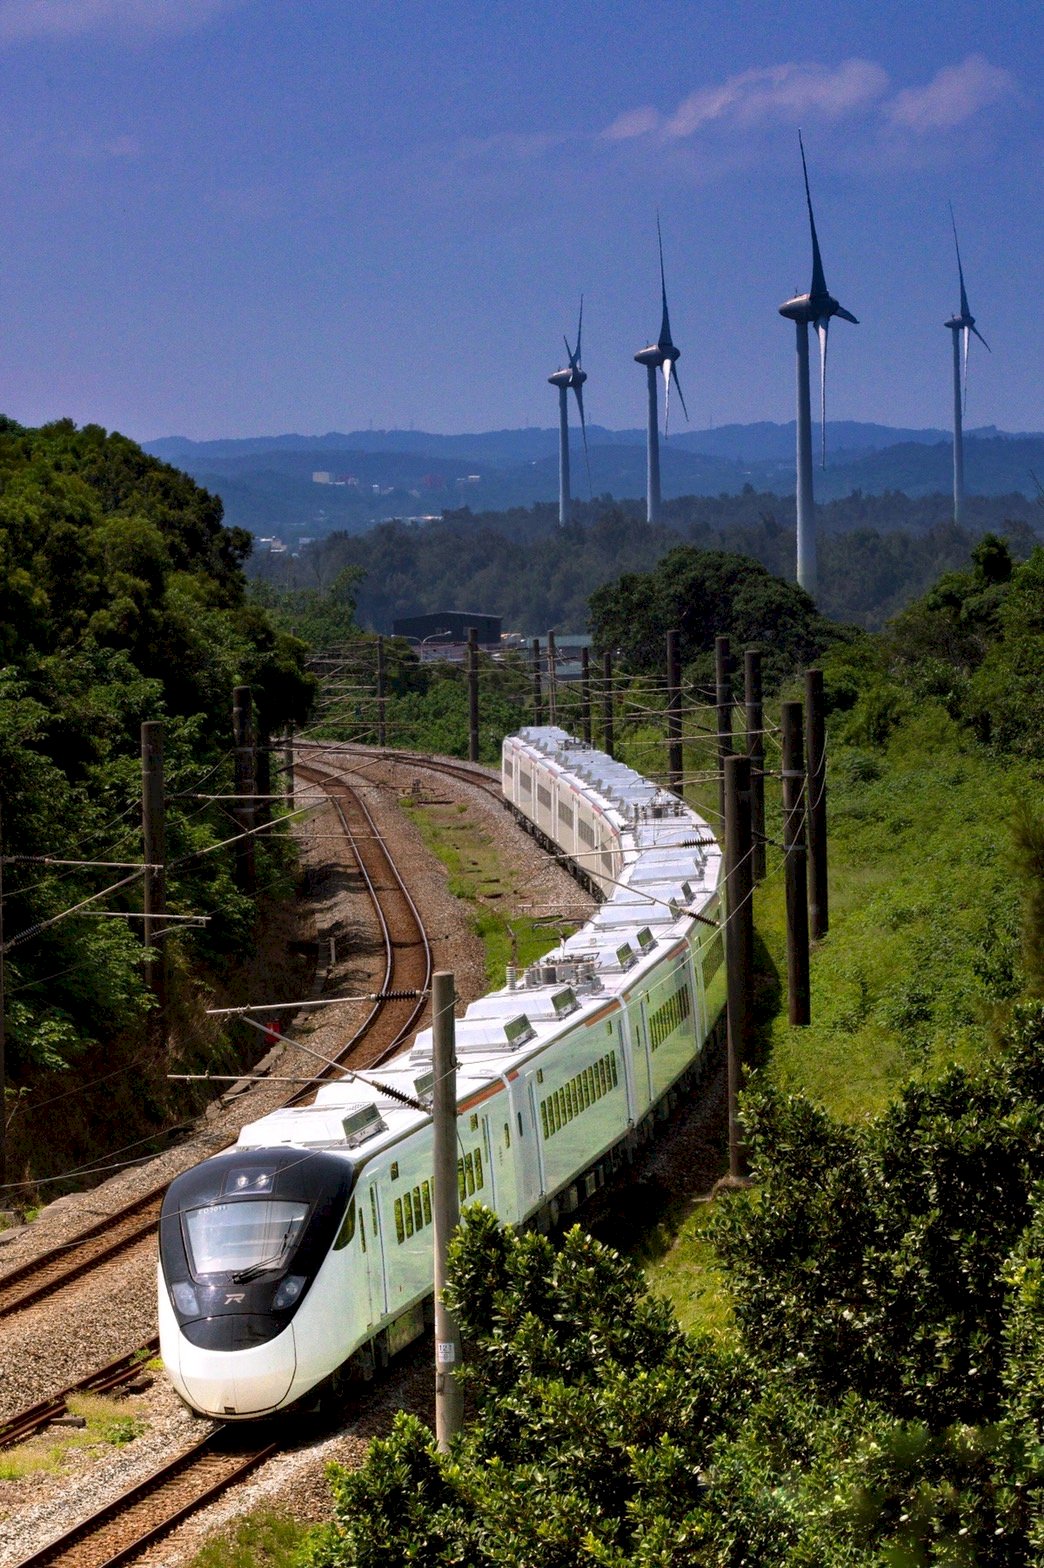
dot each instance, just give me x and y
(264, 1265)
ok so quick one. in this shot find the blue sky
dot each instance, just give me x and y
(235, 217)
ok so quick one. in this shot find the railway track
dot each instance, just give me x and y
(407, 969)
(124, 1527)
(33, 1419)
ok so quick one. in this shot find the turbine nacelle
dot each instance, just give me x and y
(811, 307)
(572, 376)
(658, 354)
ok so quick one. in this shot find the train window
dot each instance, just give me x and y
(474, 1123)
(418, 1212)
(540, 1075)
(407, 1214)
(373, 1207)
(480, 1180)
(469, 1173)
(347, 1230)
(462, 1190)
(602, 1084)
(400, 1229)
(395, 1170)
(613, 1071)
(574, 1098)
(521, 1129)
(507, 1135)
(362, 1230)
(589, 1080)
(543, 1120)
(426, 1199)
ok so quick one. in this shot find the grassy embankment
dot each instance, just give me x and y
(924, 933)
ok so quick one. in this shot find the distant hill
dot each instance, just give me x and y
(267, 485)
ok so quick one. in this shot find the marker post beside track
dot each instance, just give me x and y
(794, 864)
(449, 1396)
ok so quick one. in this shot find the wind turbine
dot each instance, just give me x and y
(661, 355)
(572, 377)
(962, 326)
(817, 306)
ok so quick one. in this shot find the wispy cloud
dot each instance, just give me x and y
(24, 21)
(954, 95)
(781, 93)
(793, 92)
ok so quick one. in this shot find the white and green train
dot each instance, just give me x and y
(306, 1250)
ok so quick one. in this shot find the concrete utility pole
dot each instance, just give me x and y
(552, 680)
(538, 701)
(608, 742)
(473, 706)
(449, 1396)
(794, 869)
(154, 849)
(674, 715)
(818, 899)
(739, 937)
(288, 765)
(382, 730)
(723, 703)
(585, 694)
(243, 740)
(754, 716)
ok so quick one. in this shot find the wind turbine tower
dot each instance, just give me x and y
(571, 377)
(962, 326)
(661, 355)
(817, 306)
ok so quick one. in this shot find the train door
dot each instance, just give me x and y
(370, 1210)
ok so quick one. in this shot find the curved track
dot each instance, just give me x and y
(126, 1526)
(407, 970)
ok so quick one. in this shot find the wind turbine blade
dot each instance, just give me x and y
(960, 270)
(966, 339)
(818, 276)
(578, 388)
(666, 367)
(982, 340)
(822, 328)
(579, 329)
(665, 324)
(846, 315)
(677, 383)
(569, 352)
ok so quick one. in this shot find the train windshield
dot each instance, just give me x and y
(244, 1238)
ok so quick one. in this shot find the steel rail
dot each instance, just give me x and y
(35, 1417)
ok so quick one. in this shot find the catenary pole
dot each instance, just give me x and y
(795, 874)
(674, 717)
(243, 740)
(538, 701)
(552, 680)
(153, 833)
(382, 712)
(723, 705)
(473, 703)
(585, 694)
(818, 898)
(754, 718)
(608, 741)
(449, 1396)
(739, 938)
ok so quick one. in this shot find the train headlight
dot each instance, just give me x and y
(185, 1298)
(288, 1292)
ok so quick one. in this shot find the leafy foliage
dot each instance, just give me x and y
(121, 599)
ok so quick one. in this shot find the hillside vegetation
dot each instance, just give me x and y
(876, 553)
(121, 599)
(873, 1398)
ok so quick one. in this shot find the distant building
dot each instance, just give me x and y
(449, 626)
(322, 476)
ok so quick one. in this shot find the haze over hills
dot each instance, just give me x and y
(267, 483)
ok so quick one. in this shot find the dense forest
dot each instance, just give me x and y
(122, 599)
(874, 1395)
(876, 553)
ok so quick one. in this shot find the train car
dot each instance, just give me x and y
(304, 1254)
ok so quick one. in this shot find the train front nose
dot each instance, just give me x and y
(248, 1380)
